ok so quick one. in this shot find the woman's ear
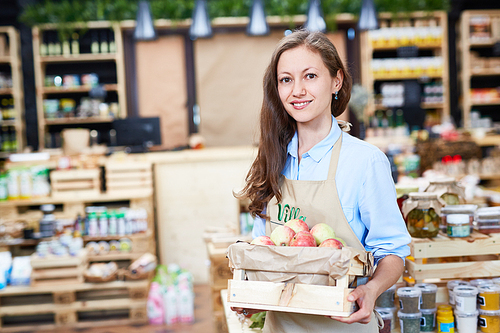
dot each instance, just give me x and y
(338, 80)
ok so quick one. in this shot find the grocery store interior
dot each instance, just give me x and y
(127, 127)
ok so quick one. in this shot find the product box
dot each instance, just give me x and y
(307, 280)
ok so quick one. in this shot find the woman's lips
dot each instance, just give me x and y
(298, 105)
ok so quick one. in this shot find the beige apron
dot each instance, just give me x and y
(316, 202)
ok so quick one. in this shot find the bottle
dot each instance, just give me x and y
(129, 222)
(93, 225)
(186, 303)
(66, 50)
(112, 224)
(155, 304)
(44, 49)
(57, 46)
(170, 302)
(50, 48)
(112, 44)
(103, 224)
(94, 47)
(5, 141)
(3, 187)
(104, 42)
(121, 224)
(75, 44)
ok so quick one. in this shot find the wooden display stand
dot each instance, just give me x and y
(128, 176)
(43, 92)
(10, 55)
(56, 270)
(75, 183)
(76, 306)
(368, 78)
(477, 68)
(444, 258)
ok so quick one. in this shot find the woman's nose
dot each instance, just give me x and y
(299, 89)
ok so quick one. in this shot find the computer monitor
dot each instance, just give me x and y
(137, 132)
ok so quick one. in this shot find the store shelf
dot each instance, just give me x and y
(432, 105)
(103, 197)
(79, 58)
(114, 256)
(409, 77)
(5, 91)
(492, 102)
(75, 120)
(486, 43)
(489, 140)
(4, 59)
(420, 47)
(71, 90)
(5, 123)
(485, 72)
(4, 155)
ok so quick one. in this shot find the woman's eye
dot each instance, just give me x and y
(311, 76)
(285, 80)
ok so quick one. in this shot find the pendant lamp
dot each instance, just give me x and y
(258, 24)
(315, 20)
(200, 28)
(144, 29)
(368, 17)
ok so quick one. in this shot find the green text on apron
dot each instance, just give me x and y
(317, 202)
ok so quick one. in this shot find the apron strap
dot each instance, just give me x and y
(380, 320)
(332, 171)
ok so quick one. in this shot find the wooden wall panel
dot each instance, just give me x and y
(161, 85)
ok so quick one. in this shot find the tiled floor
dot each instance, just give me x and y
(204, 322)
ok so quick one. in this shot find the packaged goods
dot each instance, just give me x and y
(489, 297)
(387, 317)
(458, 225)
(409, 322)
(480, 282)
(445, 322)
(448, 190)
(488, 220)
(170, 301)
(451, 285)
(466, 322)
(489, 321)
(155, 304)
(422, 213)
(428, 320)
(386, 299)
(496, 280)
(409, 299)
(461, 210)
(428, 295)
(465, 298)
(3, 187)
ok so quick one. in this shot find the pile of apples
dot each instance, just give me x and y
(296, 233)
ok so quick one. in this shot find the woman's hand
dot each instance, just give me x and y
(365, 297)
(246, 312)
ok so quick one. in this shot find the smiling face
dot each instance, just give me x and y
(305, 85)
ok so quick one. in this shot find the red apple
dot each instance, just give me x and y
(262, 240)
(322, 231)
(303, 238)
(333, 242)
(282, 235)
(297, 225)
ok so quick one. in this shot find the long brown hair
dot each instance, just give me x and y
(277, 128)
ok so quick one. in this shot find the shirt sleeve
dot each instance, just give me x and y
(386, 230)
(259, 226)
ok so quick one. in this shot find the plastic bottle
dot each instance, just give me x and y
(121, 223)
(103, 224)
(93, 225)
(3, 187)
(186, 303)
(170, 301)
(112, 223)
(155, 304)
(445, 322)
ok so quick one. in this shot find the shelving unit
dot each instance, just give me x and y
(479, 31)
(73, 63)
(10, 61)
(383, 47)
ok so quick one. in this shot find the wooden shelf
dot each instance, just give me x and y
(103, 197)
(74, 120)
(493, 102)
(79, 58)
(413, 77)
(5, 123)
(432, 105)
(70, 90)
(114, 256)
(6, 91)
(485, 72)
(420, 47)
(486, 43)
(489, 140)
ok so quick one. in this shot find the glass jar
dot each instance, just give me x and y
(448, 190)
(422, 212)
(488, 220)
(468, 210)
(402, 192)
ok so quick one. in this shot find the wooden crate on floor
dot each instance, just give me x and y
(444, 258)
(128, 176)
(55, 270)
(74, 183)
(76, 306)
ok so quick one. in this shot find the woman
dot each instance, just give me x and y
(306, 161)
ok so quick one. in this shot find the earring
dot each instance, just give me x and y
(336, 95)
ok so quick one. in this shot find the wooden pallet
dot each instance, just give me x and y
(76, 306)
(128, 176)
(443, 258)
(76, 183)
(55, 270)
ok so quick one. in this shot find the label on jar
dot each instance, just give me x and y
(482, 322)
(481, 300)
(458, 230)
(446, 327)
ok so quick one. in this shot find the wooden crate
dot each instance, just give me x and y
(443, 258)
(76, 306)
(74, 183)
(55, 270)
(327, 300)
(128, 176)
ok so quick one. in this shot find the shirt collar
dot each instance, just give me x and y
(321, 148)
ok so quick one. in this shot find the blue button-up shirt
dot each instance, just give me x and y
(365, 187)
